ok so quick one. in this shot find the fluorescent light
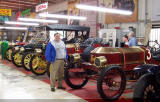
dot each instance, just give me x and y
(103, 9)
(38, 20)
(21, 23)
(62, 16)
(1, 27)
(14, 28)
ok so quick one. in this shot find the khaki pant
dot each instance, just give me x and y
(57, 72)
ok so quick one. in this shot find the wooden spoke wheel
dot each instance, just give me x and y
(111, 83)
(38, 64)
(146, 89)
(26, 60)
(17, 59)
(8, 54)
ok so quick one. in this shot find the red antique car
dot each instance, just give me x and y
(111, 67)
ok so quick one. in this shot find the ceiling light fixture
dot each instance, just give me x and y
(21, 23)
(103, 9)
(14, 28)
(38, 20)
(62, 16)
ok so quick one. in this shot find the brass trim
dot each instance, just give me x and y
(124, 57)
(144, 54)
(70, 45)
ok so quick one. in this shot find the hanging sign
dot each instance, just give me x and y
(5, 12)
(41, 7)
(26, 12)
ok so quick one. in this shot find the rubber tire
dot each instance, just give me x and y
(68, 82)
(48, 70)
(141, 85)
(23, 57)
(11, 54)
(100, 80)
(13, 59)
(31, 68)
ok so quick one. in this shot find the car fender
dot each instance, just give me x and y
(142, 69)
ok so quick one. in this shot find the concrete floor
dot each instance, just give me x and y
(16, 85)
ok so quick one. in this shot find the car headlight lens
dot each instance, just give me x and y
(16, 48)
(38, 50)
(77, 46)
(75, 57)
(22, 49)
(100, 61)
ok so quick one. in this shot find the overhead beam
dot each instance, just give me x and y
(14, 4)
(9, 6)
(21, 2)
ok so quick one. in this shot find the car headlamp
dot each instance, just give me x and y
(16, 48)
(75, 57)
(22, 49)
(38, 50)
(100, 61)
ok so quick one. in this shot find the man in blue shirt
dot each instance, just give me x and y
(132, 40)
(56, 54)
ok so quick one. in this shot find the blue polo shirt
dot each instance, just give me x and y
(132, 42)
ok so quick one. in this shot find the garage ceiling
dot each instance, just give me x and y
(17, 5)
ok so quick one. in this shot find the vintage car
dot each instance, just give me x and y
(148, 84)
(11, 49)
(22, 54)
(27, 53)
(147, 88)
(111, 67)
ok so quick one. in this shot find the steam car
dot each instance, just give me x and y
(111, 67)
(12, 48)
(22, 54)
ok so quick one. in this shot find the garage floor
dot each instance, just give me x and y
(16, 83)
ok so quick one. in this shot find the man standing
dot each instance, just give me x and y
(56, 54)
(132, 40)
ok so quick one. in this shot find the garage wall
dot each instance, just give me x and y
(140, 25)
(62, 6)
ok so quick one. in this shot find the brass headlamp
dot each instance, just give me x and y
(16, 48)
(22, 49)
(38, 50)
(100, 61)
(75, 57)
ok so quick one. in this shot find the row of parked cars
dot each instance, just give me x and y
(30, 57)
(91, 59)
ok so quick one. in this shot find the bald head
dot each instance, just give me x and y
(130, 35)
